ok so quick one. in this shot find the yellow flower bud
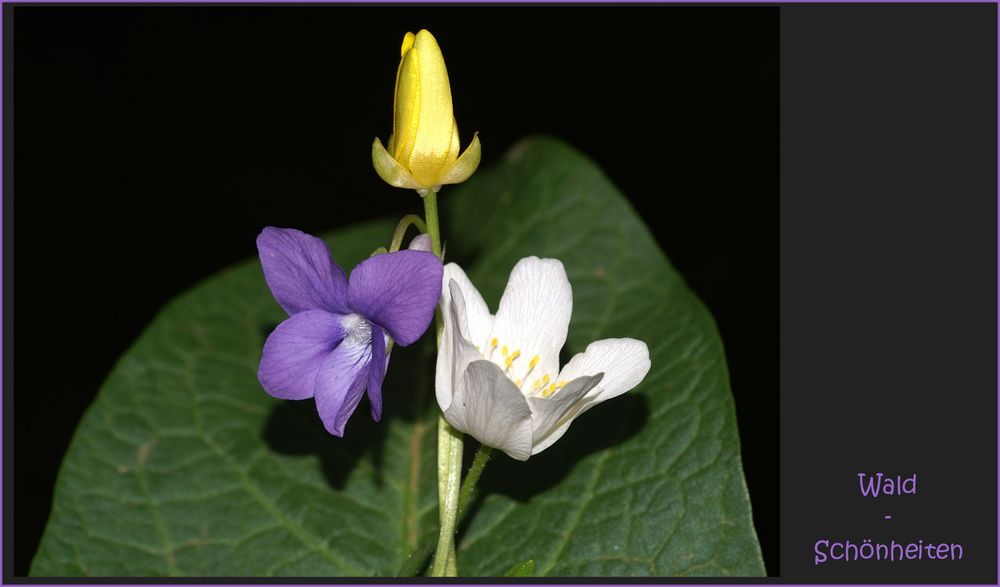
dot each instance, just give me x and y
(423, 149)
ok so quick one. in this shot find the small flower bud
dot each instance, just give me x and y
(421, 242)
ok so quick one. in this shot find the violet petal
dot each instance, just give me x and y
(340, 383)
(399, 291)
(376, 372)
(294, 352)
(300, 272)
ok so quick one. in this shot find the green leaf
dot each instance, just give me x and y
(525, 569)
(184, 466)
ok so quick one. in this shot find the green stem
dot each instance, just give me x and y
(449, 441)
(417, 561)
(468, 490)
(404, 223)
(449, 480)
(431, 215)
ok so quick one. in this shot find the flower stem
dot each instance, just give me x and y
(468, 490)
(449, 478)
(417, 561)
(449, 441)
(404, 223)
(431, 215)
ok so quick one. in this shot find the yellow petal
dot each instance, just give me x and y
(466, 164)
(407, 43)
(390, 170)
(428, 168)
(436, 121)
(406, 111)
(453, 148)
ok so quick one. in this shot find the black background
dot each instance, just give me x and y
(152, 144)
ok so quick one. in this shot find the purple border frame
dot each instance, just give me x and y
(512, 2)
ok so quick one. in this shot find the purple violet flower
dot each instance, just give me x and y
(333, 344)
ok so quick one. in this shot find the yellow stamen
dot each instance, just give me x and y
(549, 390)
(518, 383)
(545, 380)
(504, 351)
(534, 361)
(493, 343)
(536, 385)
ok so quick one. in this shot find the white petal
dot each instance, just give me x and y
(477, 314)
(490, 408)
(533, 318)
(624, 362)
(455, 352)
(443, 386)
(551, 416)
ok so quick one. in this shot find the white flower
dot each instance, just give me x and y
(498, 377)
